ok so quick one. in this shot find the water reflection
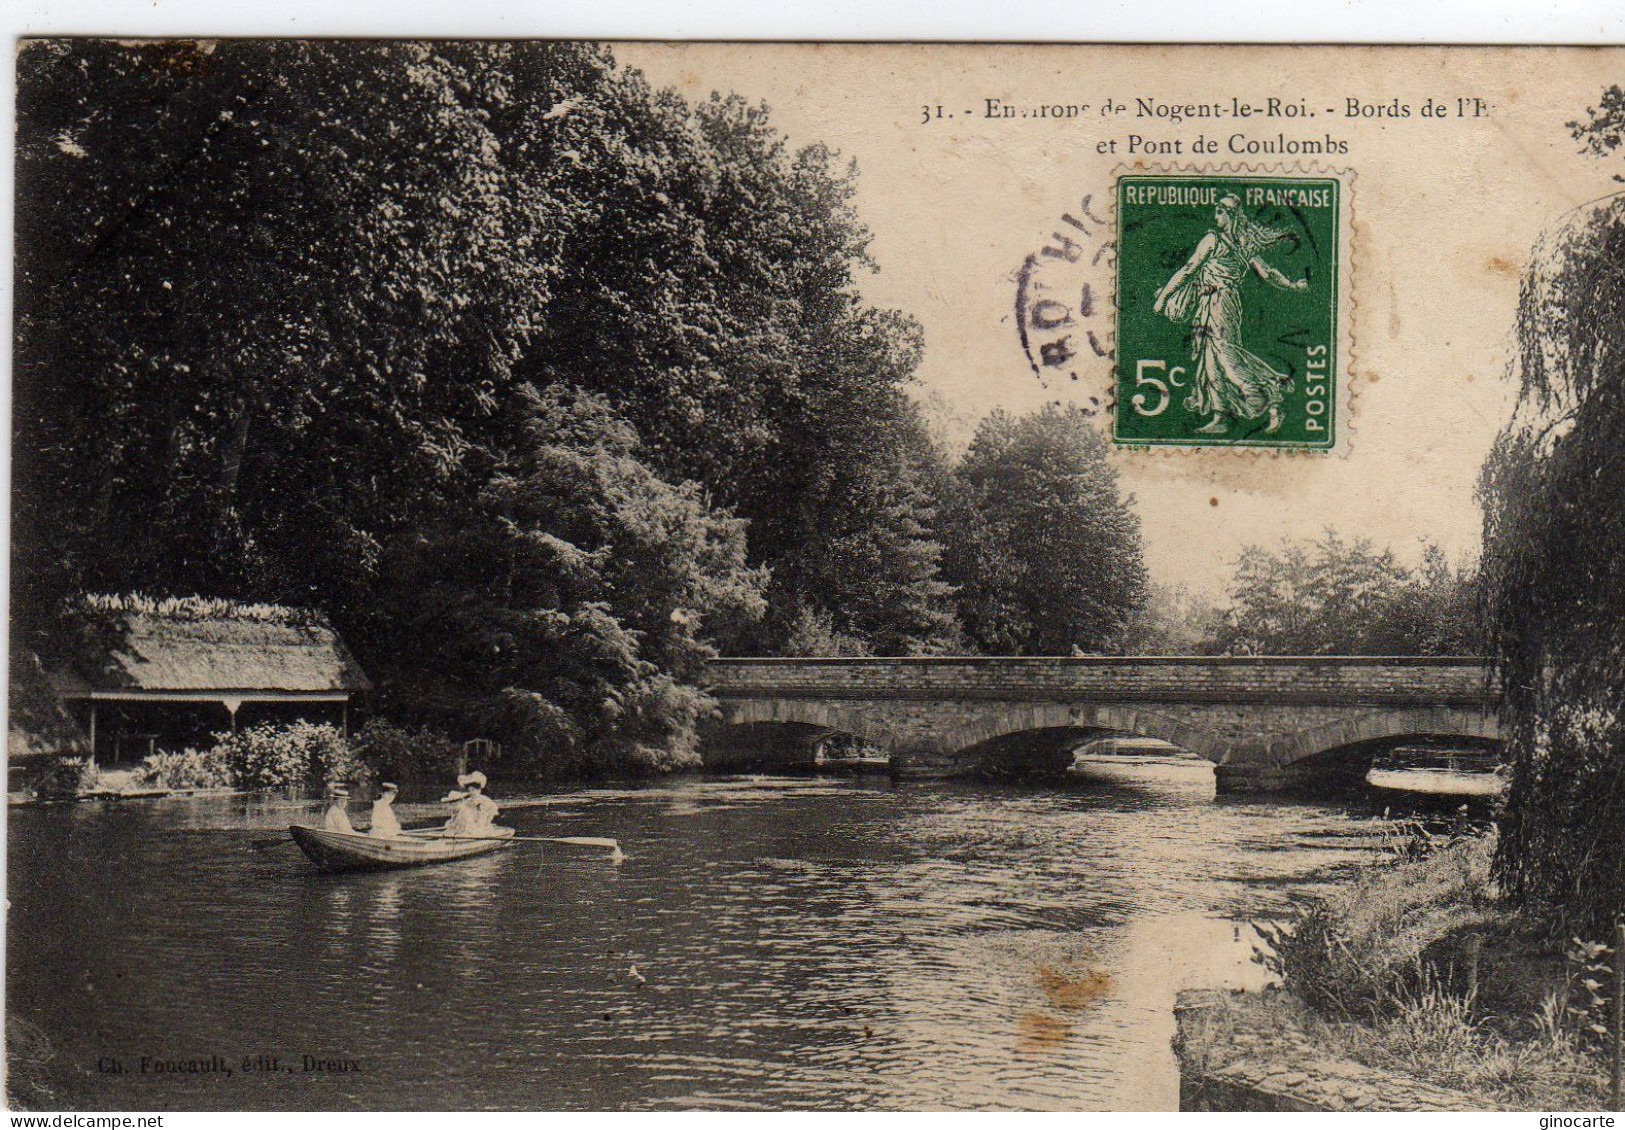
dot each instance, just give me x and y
(768, 943)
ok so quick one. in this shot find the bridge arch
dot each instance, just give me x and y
(783, 732)
(1348, 734)
(1090, 717)
(1042, 737)
(831, 717)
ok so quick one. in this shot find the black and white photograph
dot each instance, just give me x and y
(565, 575)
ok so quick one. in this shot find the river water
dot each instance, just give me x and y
(768, 942)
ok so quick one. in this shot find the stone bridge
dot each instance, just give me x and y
(1265, 722)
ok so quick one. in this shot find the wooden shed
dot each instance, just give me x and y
(164, 674)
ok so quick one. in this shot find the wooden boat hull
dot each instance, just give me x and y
(354, 851)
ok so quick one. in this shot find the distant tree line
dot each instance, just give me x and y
(1329, 596)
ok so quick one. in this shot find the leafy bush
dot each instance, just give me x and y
(390, 751)
(1582, 1004)
(66, 776)
(188, 769)
(813, 633)
(1360, 950)
(654, 730)
(271, 756)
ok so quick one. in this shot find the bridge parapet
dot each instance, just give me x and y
(1266, 722)
(1306, 680)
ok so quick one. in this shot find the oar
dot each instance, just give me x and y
(615, 852)
(264, 845)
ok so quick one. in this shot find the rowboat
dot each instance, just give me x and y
(355, 851)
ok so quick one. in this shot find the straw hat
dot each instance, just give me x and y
(474, 778)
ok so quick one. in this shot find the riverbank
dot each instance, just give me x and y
(1412, 986)
(1252, 1052)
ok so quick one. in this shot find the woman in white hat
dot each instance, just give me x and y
(475, 811)
(384, 823)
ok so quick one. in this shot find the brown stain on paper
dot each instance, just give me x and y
(1066, 989)
(1260, 475)
(1036, 1033)
(1072, 989)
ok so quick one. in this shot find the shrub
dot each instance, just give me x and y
(1361, 950)
(272, 756)
(392, 751)
(654, 729)
(1434, 1035)
(1582, 1003)
(188, 769)
(813, 632)
(66, 776)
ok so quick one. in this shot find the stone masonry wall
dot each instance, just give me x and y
(1255, 718)
(1335, 680)
(1238, 1053)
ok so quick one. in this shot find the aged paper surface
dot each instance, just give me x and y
(1446, 210)
(875, 520)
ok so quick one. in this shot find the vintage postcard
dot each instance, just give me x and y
(644, 576)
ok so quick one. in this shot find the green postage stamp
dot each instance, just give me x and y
(1228, 292)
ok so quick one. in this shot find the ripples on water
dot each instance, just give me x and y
(803, 943)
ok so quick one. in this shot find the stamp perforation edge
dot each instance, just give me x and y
(1346, 393)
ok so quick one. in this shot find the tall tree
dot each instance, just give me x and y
(1044, 548)
(267, 291)
(1554, 552)
(567, 610)
(711, 295)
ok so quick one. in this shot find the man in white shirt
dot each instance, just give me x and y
(336, 819)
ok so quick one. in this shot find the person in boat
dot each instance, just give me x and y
(384, 823)
(475, 811)
(336, 819)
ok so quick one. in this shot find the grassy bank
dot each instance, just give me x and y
(1420, 967)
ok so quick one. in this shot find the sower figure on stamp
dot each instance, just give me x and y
(1230, 381)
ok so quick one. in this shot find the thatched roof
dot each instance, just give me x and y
(182, 647)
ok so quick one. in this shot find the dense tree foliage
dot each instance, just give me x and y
(1338, 597)
(1554, 534)
(566, 607)
(265, 291)
(1043, 547)
(306, 323)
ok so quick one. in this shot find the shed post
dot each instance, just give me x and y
(232, 705)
